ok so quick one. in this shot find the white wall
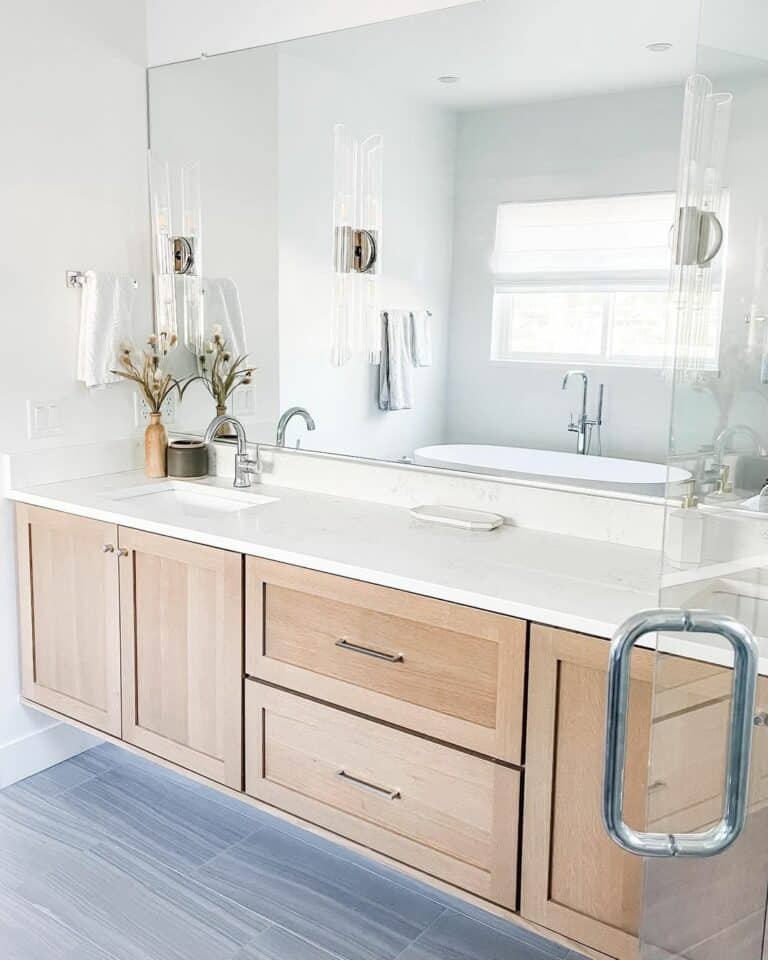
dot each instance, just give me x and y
(182, 29)
(73, 196)
(419, 150)
(591, 146)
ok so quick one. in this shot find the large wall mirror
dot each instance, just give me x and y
(416, 229)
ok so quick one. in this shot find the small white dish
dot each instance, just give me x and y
(458, 517)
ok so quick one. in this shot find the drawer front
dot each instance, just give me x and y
(449, 671)
(448, 813)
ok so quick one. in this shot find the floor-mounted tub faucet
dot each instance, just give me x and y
(583, 426)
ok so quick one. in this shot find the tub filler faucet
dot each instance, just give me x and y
(583, 426)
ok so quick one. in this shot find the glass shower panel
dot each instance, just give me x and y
(716, 547)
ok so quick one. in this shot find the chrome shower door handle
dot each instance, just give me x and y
(719, 837)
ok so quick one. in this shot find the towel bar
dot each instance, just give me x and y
(76, 278)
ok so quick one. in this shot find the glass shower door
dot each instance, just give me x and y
(705, 836)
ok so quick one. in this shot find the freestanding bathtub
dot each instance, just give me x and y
(551, 466)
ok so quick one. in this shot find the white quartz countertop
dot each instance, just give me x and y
(563, 581)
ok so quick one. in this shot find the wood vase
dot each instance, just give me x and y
(155, 447)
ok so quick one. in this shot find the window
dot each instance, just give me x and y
(587, 280)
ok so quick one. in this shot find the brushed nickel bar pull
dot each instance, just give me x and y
(345, 644)
(368, 787)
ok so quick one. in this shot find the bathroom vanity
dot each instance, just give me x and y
(453, 738)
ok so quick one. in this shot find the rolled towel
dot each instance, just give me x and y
(106, 320)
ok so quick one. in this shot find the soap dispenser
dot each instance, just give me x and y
(685, 530)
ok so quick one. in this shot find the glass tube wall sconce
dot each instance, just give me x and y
(357, 244)
(177, 251)
(699, 232)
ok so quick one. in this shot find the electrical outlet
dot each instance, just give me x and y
(141, 410)
(43, 419)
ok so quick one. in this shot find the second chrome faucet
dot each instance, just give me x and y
(583, 426)
(286, 418)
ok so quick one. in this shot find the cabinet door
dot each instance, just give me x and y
(575, 880)
(182, 639)
(69, 615)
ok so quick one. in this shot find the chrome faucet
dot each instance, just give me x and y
(286, 418)
(583, 425)
(725, 435)
(245, 468)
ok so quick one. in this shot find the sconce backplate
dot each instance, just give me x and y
(183, 255)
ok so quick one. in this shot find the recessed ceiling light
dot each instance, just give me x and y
(448, 79)
(659, 47)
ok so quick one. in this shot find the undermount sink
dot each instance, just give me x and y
(192, 499)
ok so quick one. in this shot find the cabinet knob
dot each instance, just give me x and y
(108, 548)
(123, 552)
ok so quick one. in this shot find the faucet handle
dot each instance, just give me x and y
(245, 468)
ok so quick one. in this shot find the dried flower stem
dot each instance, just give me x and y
(145, 370)
(222, 375)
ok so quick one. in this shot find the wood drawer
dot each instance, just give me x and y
(449, 671)
(448, 813)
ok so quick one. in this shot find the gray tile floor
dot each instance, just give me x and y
(110, 857)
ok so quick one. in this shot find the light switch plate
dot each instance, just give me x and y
(44, 419)
(243, 402)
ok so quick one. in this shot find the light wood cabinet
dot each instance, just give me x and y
(182, 644)
(69, 615)
(575, 880)
(411, 726)
(447, 812)
(448, 671)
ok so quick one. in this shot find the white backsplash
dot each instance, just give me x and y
(595, 515)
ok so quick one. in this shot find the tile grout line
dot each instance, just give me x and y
(423, 933)
(428, 895)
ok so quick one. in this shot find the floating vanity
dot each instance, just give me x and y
(436, 697)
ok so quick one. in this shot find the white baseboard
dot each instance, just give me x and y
(37, 751)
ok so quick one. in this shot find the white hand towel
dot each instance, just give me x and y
(106, 320)
(223, 309)
(396, 367)
(421, 349)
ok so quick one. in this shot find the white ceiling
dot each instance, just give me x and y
(182, 29)
(503, 50)
(519, 50)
